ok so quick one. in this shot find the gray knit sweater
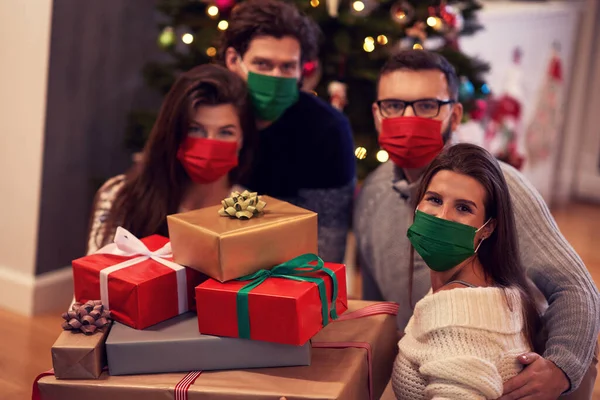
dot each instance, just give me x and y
(383, 214)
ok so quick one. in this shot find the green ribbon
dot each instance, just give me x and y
(295, 269)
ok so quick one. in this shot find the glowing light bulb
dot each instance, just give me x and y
(223, 25)
(382, 40)
(368, 46)
(358, 6)
(212, 11)
(360, 153)
(314, 3)
(382, 156)
(167, 37)
(187, 38)
(369, 39)
(211, 52)
(417, 46)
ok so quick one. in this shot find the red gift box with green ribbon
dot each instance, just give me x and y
(288, 304)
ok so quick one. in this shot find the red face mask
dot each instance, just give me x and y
(411, 142)
(206, 160)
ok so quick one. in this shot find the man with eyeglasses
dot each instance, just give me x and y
(416, 111)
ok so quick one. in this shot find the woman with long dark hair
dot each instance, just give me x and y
(199, 148)
(465, 335)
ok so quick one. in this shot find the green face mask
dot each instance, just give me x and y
(441, 243)
(271, 95)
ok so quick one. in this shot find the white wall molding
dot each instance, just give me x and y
(31, 295)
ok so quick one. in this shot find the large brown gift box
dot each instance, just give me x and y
(79, 356)
(227, 248)
(335, 373)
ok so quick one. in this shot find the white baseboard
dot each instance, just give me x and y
(31, 295)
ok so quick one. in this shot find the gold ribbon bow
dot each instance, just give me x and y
(243, 205)
(87, 317)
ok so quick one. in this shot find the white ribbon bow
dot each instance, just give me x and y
(126, 244)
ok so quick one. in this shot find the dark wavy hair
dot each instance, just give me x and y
(154, 188)
(423, 60)
(254, 18)
(498, 254)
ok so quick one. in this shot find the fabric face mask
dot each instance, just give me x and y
(271, 95)
(412, 142)
(442, 244)
(207, 160)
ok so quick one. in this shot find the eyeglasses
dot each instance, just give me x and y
(425, 108)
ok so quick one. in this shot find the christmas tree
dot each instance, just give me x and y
(358, 37)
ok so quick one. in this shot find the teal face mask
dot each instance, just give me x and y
(441, 243)
(271, 95)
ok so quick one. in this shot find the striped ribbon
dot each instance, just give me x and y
(181, 389)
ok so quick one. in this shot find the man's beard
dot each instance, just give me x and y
(447, 134)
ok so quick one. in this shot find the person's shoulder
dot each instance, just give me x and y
(380, 177)
(522, 191)
(377, 182)
(514, 178)
(112, 186)
(107, 193)
(491, 309)
(315, 111)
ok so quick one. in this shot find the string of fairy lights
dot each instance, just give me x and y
(402, 13)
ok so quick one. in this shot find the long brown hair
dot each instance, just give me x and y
(154, 188)
(499, 253)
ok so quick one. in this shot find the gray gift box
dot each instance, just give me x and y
(176, 346)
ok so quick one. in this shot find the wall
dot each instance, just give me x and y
(534, 27)
(97, 52)
(24, 45)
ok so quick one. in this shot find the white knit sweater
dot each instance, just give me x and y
(461, 344)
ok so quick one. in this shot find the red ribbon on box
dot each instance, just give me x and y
(128, 273)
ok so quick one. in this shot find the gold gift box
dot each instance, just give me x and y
(79, 356)
(335, 373)
(227, 248)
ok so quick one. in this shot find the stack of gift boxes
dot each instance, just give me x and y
(237, 290)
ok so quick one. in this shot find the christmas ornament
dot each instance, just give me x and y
(338, 94)
(402, 13)
(479, 110)
(466, 91)
(543, 130)
(167, 37)
(452, 17)
(224, 4)
(415, 36)
(363, 7)
(311, 75)
(333, 7)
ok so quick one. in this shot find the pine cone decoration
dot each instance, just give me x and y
(86, 318)
(243, 205)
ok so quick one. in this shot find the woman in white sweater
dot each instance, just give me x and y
(464, 337)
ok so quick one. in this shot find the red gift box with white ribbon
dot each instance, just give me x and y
(136, 280)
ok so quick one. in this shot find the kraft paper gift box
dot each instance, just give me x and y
(136, 280)
(177, 346)
(227, 248)
(79, 356)
(338, 372)
(282, 305)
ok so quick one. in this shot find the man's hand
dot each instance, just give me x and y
(540, 380)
